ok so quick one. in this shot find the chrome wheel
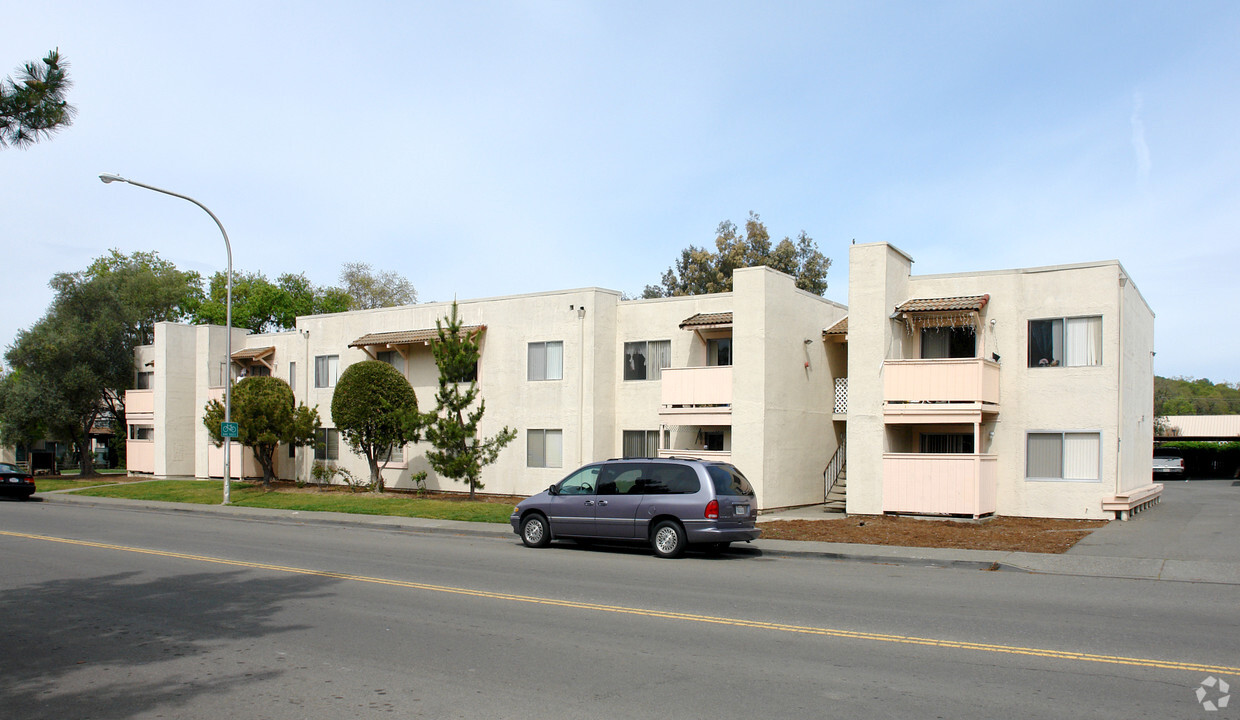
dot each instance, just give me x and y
(668, 539)
(534, 531)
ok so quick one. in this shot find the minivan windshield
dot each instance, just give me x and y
(728, 480)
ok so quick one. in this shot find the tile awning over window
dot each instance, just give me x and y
(947, 304)
(250, 354)
(840, 328)
(408, 337)
(705, 320)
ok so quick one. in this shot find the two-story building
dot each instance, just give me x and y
(1024, 392)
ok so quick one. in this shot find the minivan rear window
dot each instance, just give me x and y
(728, 480)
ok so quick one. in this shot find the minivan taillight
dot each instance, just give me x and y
(712, 510)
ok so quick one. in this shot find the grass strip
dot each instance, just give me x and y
(46, 484)
(211, 492)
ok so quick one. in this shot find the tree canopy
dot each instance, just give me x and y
(267, 417)
(260, 305)
(70, 370)
(453, 429)
(375, 410)
(699, 271)
(33, 106)
(368, 289)
(1189, 396)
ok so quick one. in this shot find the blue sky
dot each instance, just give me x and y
(485, 149)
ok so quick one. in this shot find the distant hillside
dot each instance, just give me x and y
(1188, 396)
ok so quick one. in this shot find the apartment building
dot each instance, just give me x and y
(1021, 392)
(580, 374)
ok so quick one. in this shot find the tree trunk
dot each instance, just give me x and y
(264, 457)
(376, 479)
(86, 460)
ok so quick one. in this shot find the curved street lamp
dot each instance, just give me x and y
(111, 178)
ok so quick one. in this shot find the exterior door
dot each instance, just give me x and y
(619, 495)
(572, 510)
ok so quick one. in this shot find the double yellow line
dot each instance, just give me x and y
(666, 614)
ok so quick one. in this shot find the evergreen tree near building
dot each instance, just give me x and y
(453, 428)
(376, 411)
(267, 416)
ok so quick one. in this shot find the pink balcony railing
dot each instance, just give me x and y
(140, 456)
(697, 386)
(939, 484)
(139, 402)
(946, 380)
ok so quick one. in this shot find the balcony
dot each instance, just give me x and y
(942, 390)
(939, 484)
(697, 396)
(139, 402)
(712, 455)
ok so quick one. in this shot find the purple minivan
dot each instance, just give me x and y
(671, 503)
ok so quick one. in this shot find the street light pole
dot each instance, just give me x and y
(110, 178)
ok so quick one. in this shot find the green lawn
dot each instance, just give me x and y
(211, 492)
(46, 484)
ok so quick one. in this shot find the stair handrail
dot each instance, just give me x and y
(831, 474)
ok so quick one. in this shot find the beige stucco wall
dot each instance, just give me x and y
(878, 277)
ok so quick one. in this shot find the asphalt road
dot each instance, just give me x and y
(126, 613)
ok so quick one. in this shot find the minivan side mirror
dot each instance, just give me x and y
(554, 489)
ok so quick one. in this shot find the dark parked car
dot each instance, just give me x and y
(15, 482)
(670, 503)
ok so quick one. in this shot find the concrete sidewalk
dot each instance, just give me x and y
(1193, 535)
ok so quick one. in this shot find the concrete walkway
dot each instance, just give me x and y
(1193, 535)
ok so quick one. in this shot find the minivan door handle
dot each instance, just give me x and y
(589, 503)
(602, 503)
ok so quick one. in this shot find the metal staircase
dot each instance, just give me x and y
(836, 479)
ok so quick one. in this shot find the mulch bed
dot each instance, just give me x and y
(1038, 535)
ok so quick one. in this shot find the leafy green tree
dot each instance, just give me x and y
(70, 370)
(368, 289)
(453, 428)
(375, 410)
(1189, 396)
(33, 106)
(699, 271)
(260, 305)
(267, 416)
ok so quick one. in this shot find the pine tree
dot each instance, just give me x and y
(453, 430)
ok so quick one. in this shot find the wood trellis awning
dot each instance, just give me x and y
(250, 356)
(837, 332)
(959, 311)
(707, 321)
(400, 340)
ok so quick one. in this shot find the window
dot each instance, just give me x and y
(544, 448)
(581, 482)
(326, 370)
(292, 376)
(393, 358)
(948, 342)
(712, 440)
(141, 432)
(947, 443)
(395, 455)
(1072, 456)
(719, 352)
(641, 444)
(144, 380)
(546, 361)
(645, 360)
(327, 444)
(1074, 342)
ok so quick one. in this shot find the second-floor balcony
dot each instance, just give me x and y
(139, 402)
(946, 380)
(697, 395)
